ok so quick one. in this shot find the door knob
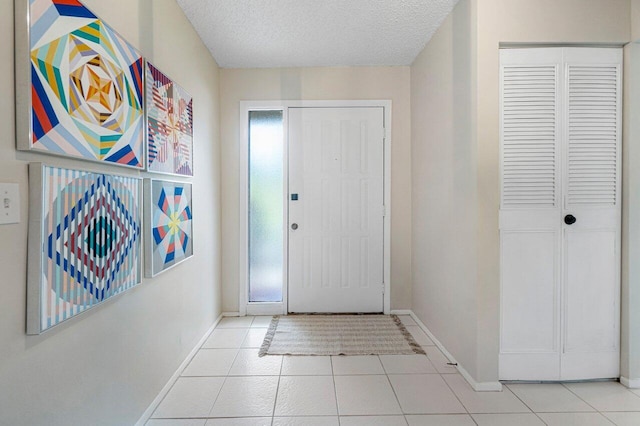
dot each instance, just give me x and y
(294, 226)
(570, 219)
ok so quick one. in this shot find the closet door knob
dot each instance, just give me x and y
(570, 219)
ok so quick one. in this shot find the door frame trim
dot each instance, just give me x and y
(281, 308)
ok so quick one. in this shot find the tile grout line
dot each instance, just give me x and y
(335, 389)
(392, 389)
(602, 413)
(580, 398)
(608, 419)
(218, 394)
(204, 340)
(442, 378)
(472, 418)
(457, 397)
(275, 400)
(201, 349)
(525, 404)
(224, 381)
(446, 383)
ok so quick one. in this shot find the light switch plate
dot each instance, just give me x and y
(9, 203)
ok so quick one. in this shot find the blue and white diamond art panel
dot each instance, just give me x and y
(87, 245)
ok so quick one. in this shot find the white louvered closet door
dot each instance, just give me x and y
(591, 188)
(560, 157)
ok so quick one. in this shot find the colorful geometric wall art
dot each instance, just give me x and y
(85, 84)
(168, 221)
(170, 125)
(84, 242)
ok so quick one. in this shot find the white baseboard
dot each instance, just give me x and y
(266, 308)
(230, 314)
(154, 404)
(477, 386)
(630, 383)
(401, 312)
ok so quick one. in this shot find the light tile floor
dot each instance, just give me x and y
(227, 384)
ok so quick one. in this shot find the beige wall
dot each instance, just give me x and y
(108, 365)
(524, 21)
(630, 362)
(471, 293)
(444, 173)
(635, 20)
(318, 84)
(630, 325)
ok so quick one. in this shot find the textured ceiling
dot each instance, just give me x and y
(299, 33)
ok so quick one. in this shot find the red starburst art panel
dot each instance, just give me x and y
(170, 125)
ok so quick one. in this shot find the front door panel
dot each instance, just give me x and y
(336, 185)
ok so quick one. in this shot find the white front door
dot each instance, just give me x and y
(336, 209)
(560, 213)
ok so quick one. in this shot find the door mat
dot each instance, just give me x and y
(338, 335)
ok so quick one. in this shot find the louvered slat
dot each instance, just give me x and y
(592, 135)
(529, 136)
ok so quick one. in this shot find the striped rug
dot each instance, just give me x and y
(338, 335)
